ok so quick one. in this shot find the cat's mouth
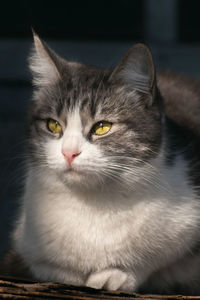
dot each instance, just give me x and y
(73, 170)
(70, 170)
(75, 177)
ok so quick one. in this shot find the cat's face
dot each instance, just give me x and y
(89, 127)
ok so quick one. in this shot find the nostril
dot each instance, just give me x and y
(75, 154)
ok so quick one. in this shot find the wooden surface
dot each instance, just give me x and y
(13, 288)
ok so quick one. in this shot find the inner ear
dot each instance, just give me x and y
(44, 63)
(136, 69)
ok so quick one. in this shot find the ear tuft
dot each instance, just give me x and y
(136, 69)
(42, 63)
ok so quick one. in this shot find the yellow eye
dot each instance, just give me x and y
(102, 128)
(54, 126)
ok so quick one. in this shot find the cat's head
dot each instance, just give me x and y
(91, 127)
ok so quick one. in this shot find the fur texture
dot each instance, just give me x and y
(126, 213)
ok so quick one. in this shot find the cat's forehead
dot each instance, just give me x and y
(84, 92)
(91, 90)
(88, 91)
(84, 85)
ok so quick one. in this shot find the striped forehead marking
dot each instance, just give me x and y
(74, 119)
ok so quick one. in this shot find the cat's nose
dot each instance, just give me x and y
(69, 155)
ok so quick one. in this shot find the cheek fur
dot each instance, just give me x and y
(91, 157)
(54, 155)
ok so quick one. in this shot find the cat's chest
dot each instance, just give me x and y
(90, 225)
(69, 229)
(76, 230)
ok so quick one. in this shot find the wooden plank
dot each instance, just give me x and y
(15, 288)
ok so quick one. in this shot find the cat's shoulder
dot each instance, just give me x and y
(181, 96)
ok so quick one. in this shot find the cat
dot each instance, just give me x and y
(111, 197)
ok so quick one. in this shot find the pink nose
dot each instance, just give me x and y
(69, 155)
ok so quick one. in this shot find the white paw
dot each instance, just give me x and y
(112, 279)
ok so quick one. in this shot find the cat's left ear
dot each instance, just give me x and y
(44, 63)
(136, 70)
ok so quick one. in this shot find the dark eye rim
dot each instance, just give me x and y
(97, 123)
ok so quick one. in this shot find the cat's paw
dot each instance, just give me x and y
(112, 279)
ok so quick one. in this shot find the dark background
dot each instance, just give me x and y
(94, 32)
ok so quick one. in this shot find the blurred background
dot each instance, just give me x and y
(93, 32)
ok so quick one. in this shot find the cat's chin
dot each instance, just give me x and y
(78, 179)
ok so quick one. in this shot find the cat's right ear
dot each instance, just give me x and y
(136, 70)
(44, 63)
